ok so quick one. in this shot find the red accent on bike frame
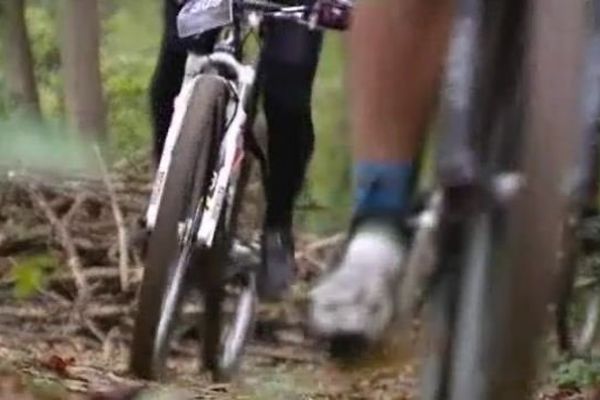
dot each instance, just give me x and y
(238, 159)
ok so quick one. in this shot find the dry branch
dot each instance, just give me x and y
(119, 220)
(100, 273)
(77, 203)
(73, 260)
(61, 313)
(283, 354)
(12, 242)
(328, 242)
(78, 220)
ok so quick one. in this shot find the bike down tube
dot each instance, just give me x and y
(231, 150)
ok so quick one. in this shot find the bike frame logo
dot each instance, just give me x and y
(157, 187)
(203, 5)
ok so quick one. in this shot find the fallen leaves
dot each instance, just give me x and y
(58, 364)
(117, 394)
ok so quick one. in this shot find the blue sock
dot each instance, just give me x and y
(382, 188)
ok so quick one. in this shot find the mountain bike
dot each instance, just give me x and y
(578, 303)
(484, 249)
(198, 188)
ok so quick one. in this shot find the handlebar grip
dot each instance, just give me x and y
(333, 14)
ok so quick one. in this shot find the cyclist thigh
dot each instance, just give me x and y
(289, 62)
(290, 43)
(290, 58)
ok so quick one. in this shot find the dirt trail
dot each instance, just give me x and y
(270, 371)
(64, 247)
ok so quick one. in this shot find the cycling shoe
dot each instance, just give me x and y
(278, 266)
(357, 300)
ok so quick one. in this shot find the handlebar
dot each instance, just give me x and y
(198, 16)
(328, 14)
(262, 9)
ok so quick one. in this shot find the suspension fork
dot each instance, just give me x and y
(231, 150)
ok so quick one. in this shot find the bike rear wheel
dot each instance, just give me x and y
(169, 254)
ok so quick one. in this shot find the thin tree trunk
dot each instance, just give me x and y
(81, 67)
(18, 57)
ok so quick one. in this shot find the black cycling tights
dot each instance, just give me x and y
(289, 64)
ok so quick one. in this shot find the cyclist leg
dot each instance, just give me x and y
(169, 72)
(397, 51)
(290, 58)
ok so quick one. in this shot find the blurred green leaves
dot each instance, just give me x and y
(29, 274)
(577, 373)
(46, 148)
(131, 31)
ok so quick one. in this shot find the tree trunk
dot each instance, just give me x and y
(81, 67)
(18, 58)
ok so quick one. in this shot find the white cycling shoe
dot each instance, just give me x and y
(358, 298)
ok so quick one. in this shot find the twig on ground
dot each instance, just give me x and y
(77, 203)
(28, 312)
(283, 354)
(138, 262)
(64, 302)
(21, 336)
(319, 264)
(100, 273)
(93, 329)
(96, 310)
(320, 244)
(108, 344)
(13, 242)
(73, 260)
(119, 221)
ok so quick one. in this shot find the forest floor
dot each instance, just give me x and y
(80, 367)
(68, 282)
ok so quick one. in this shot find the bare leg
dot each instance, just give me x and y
(397, 52)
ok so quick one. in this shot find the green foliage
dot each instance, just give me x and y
(29, 274)
(3, 97)
(42, 26)
(47, 147)
(130, 40)
(43, 388)
(129, 46)
(126, 81)
(327, 190)
(577, 373)
(3, 93)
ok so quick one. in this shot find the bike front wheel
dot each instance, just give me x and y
(169, 254)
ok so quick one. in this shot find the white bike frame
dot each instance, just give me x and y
(231, 149)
